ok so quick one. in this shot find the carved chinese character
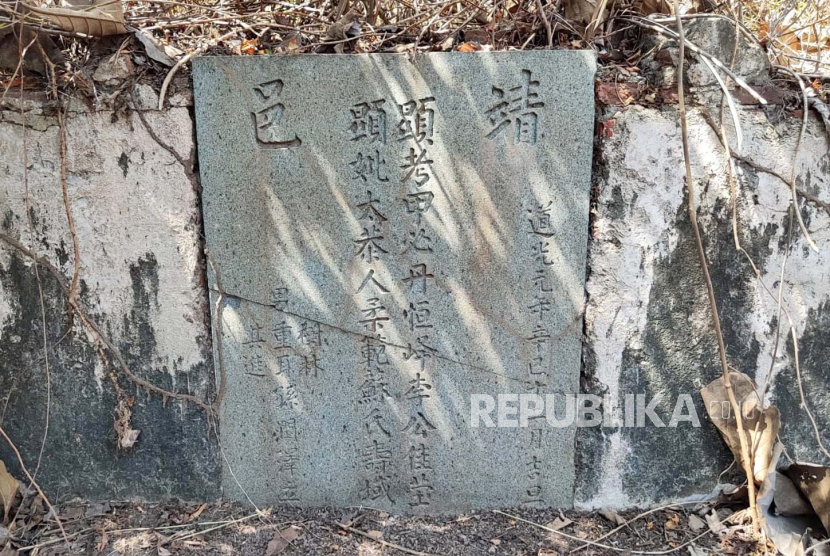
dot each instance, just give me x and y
(417, 278)
(419, 203)
(420, 488)
(374, 354)
(418, 315)
(283, 364)
(368, 120)
(254, 335)
(419, 425)
(369, 167)
(268, 118)
(540, 306)
(541, 280)
(374, 315)
(287, 397)
(309, 334)
(417, 120)
(536, 436)
(371, 280)
(282, 334)
(369, 247)
(419, 241)
(534, 495)
(287, 431)
(540, 220)
(376, 457)
(519, 107)
(311, 366)
(369, 210)
(279, 298)
(419, 457)
(418, 388)
(253, 359)
(374, 423)
(541, 253)
(374, 387)
(420, 352)
(417, 167)
(376, 488)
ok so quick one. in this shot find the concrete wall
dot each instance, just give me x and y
(141, 278)
(646, 322)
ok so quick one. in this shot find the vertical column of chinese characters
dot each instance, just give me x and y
(367, 131)
(287, 399)
(415, 129)
(536, 378)
(515, 112)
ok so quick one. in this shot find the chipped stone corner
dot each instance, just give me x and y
(647, 319)
(137, 218)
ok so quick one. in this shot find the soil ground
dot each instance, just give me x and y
(122, 528)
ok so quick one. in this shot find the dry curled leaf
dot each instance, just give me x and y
(282, 540)
(98, 20)
(8, 488)
(760, 424)
(469, 47)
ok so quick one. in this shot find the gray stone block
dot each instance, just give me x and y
(395, 234)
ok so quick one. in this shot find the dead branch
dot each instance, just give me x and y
(747, 456)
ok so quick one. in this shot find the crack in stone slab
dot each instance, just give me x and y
(390, 344)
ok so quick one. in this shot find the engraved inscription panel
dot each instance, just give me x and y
(394, 235)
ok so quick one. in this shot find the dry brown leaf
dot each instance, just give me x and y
(761, 425)
(98, 20)
(672, 523)
(559, 523)
(714, 522)
(249, 47)
(8, 488)
(282, 540)
(814, 483)
(469, 47)
(696, 524)
(612, 516)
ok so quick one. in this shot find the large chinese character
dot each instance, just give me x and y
(368, 120)
(371, 280)
(374, 315)
(417, 167)
(518, 107)
(369, 248)
(369, 167)
(418, 388)
(417, 120)
(369, 209)
(419, 203)
(419, 426)
(417, 278)
(268, 118)
(540, 221)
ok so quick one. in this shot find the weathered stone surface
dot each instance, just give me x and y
(648, 326)
(137, 224)
(712, 35)
(318, 220)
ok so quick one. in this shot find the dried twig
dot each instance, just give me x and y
(605, 546)
(745, 452)
(794, 171)
(96, 331)
(381, 541)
